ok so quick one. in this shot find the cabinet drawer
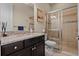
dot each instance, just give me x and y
(10, 48)
(23, 52)
(38, 49)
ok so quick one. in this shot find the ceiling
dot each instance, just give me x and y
(32, 4)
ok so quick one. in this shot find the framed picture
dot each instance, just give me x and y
(40, 15)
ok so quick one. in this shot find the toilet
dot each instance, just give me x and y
(50, 44)
(49, 47)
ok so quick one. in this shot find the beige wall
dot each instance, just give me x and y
(62, 5)
(39, 27)
(78, 22)
(44, 6)
(21, 14)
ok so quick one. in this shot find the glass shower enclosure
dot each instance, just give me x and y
(62, 29)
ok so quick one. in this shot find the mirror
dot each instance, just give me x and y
(18, 17)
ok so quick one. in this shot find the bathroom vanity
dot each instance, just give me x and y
(30, 45)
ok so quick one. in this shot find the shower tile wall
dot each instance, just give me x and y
(69, 32)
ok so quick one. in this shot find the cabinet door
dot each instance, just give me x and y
(24, 52)
(38, 49)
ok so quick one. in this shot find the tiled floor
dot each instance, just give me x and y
(50, 52)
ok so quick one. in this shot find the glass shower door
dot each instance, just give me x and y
(53, 30)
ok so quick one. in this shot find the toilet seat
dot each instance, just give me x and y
(50, 44)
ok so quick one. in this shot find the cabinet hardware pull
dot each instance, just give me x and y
(33, 48)
(15, 47)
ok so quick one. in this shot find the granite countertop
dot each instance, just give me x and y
(18, 37)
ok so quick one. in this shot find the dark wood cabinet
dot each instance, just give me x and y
(23, 52)
(11, 48)
(38, 49)
(29, 47)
